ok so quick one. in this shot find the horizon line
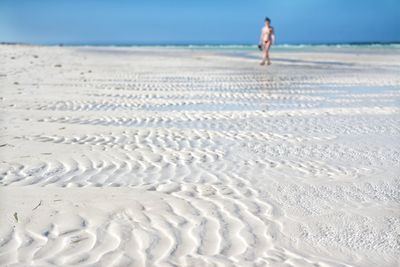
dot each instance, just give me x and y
(195, 44)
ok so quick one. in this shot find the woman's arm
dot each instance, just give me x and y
(270, 33)
(261, 36)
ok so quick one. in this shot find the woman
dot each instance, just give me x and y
(266, 40)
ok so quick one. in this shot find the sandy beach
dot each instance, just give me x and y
(149, 156)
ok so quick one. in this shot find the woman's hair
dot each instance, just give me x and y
(268, 19)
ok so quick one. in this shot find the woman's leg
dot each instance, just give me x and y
(264, 57)
(267, 47)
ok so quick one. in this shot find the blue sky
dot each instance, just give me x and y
(197, 22)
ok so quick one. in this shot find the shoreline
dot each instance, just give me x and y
(395, 44)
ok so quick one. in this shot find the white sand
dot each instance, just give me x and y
(174, 157)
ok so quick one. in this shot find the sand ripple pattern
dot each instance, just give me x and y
(133, 157)
(182, 225)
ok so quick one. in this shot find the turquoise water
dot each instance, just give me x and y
(252, 46)
(331, 48)
(304, 47)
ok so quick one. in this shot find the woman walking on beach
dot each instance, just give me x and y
(266, 40)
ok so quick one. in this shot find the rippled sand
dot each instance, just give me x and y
(179, 157)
